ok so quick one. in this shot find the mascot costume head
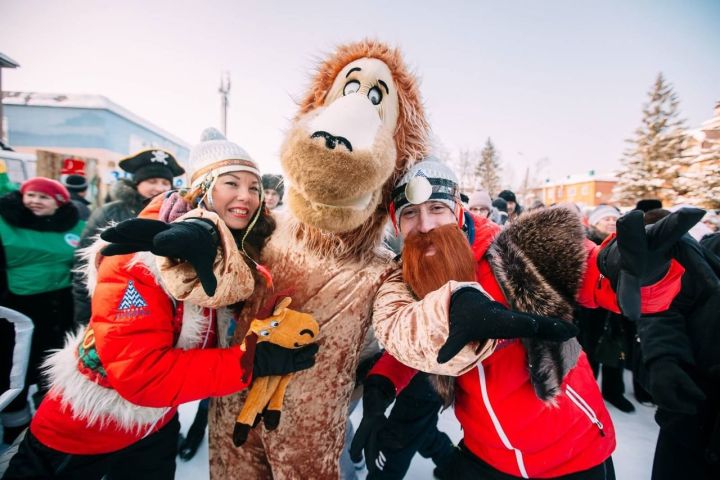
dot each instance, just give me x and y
(359, 127)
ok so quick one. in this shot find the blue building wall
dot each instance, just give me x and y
(38, 126)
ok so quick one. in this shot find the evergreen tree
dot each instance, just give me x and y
(653, 160)
(466, 169)
(488, 170)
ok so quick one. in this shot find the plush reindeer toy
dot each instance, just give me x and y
(284, 327)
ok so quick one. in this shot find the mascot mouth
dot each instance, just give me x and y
(331, 140)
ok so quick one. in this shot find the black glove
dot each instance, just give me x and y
(672, 388)
(474, 317)
(378, 394)
(641, 255)
(271, 359)
(194, 240)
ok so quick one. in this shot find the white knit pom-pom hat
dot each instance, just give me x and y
(216, 155)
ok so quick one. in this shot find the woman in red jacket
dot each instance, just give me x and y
(149, 346)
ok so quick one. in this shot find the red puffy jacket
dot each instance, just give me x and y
(504, 422)
(152, 358)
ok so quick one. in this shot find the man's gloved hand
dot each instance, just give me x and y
(474, 317)
(271, 359)
(672, 388)
(194, 240)
(378, 394)
(641, 255)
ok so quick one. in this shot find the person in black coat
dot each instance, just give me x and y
(605, 336)
(681, 361)
(153, 172)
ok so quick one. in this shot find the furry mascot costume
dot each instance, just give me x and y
(359, 127)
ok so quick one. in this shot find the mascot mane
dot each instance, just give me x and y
(411, 141)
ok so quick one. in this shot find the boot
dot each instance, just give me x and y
(613, 388)
(190, 444)
(620, 402)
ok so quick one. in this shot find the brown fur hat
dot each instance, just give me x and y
(539, 262)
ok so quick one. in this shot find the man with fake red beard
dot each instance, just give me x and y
(441, 244)
(521, 387)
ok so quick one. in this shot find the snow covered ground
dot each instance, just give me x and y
(636, 435)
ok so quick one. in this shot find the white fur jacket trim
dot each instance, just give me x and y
(94, 403)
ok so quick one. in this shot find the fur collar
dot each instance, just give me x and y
(539, 262)
(17, 215)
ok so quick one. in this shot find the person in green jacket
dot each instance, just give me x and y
(39, 231)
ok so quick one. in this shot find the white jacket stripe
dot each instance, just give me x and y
(496, 423)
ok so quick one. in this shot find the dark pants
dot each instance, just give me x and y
(152, 458)
(688, 446)
(411, 428)
(466, 466)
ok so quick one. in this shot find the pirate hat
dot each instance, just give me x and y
(153, 163)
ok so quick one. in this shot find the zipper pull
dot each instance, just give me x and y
(600, 279)
(600, 426)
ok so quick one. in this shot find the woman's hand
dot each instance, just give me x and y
(194, 240)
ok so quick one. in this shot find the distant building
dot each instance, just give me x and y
(703, 145)
(85, 125)
(585, 190)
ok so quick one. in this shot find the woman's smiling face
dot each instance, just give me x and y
(236, 198)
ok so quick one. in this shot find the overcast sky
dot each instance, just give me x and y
(563, 80)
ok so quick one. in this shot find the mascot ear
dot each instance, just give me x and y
(284, 303)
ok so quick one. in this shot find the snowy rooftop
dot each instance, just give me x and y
(579, 178)
(98, 102)
(7, 62)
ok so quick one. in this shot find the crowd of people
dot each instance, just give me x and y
(505, 314)
(41, 227)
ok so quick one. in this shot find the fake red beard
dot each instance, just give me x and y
(453, 259)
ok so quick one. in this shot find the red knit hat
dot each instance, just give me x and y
(47, 186)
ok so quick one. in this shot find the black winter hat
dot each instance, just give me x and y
(507, 195)
(75, 183)
(500, 204)
(274, 182)
(648, 204)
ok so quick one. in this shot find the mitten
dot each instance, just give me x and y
(271, 359)
(641, 255)
(194, 240)
(672, 388)
(474, 317)
(130, 236)
(378, 394)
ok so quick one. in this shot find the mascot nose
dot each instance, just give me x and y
(351, 121)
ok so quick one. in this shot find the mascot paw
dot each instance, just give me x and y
(271, 419)
(240, 433)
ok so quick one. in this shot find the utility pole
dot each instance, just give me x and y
(5, 62)
(224, 91)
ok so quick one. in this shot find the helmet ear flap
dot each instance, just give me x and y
(391, 211)
(460, 215)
